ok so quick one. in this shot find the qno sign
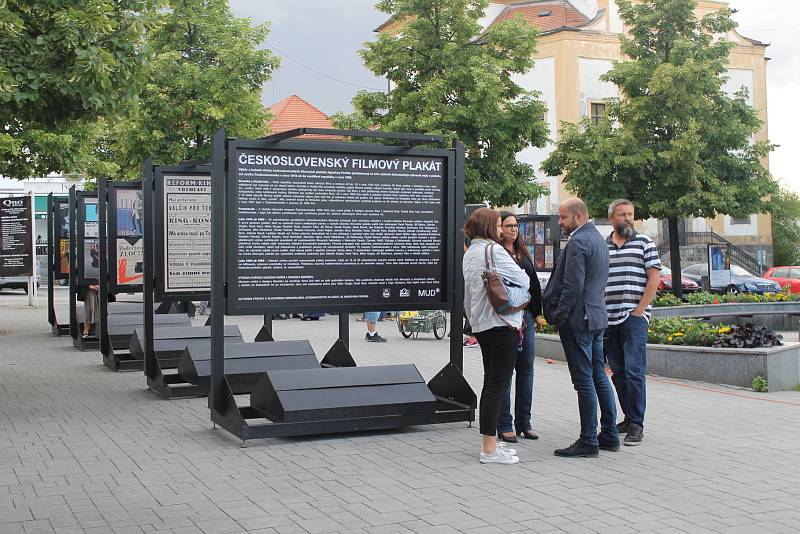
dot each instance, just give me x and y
(16, 245)
(13, 203)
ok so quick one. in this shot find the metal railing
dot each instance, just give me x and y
(738, 255)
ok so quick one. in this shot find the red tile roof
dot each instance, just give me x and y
(561, 14)
(294, 112)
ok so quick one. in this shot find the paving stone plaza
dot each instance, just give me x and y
(83, 449)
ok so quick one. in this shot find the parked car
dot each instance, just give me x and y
(665, 285)
(742, 281)
(785, 275)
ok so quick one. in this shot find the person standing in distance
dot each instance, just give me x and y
(574, 301)
(633, 278)
(372, 335)
(498, 336)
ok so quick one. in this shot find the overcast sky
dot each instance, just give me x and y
(319, 40)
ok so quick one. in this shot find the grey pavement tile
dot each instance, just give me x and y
(86, 449)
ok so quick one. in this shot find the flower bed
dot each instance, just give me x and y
(678, 331)
(705, 298)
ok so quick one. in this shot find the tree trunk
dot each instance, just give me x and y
(675, 256)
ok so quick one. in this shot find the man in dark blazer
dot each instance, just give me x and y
(575, 302)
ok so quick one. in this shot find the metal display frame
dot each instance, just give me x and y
(164, 385)
(76, 230)
(455, 400)
(54, 204)
(119, 359)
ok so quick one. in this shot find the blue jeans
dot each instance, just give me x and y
(584, 352)
(523, 389)
(372, 317)
(626, 350)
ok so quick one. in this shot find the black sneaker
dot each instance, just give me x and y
(608, 445)
(635, 434)
(579, 449)
(622, 427)
(375, 339)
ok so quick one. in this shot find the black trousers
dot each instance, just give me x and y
(499, 351)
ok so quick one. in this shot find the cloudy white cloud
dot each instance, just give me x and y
(325, 37)
(777, 22)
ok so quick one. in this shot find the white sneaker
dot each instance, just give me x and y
(503, 445)
(500, 456)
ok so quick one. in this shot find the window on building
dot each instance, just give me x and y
(740, 220)
(597, 110)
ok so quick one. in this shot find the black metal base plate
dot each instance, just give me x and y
(447, 412)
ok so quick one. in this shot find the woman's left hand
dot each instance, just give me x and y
(538, 321)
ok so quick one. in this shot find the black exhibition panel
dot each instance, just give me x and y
(104, 261)
(397, 245)
(380, 227)
(182, 231)
(177, 268)
(16, 237)
(73, 265)
(57, 255)
(182, 228)
(84, 259)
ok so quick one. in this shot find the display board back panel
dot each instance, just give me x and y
(16, 242)
(182, 238)
(346, 228)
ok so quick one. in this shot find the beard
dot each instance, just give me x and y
(625, 230)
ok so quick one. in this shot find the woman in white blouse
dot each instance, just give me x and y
(498, 336)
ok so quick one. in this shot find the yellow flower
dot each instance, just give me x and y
(678, 334)
(669, 338)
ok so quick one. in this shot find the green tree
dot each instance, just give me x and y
(452, 80)
(62, 65)
(786, 227)
(207, 72)
(674, 143)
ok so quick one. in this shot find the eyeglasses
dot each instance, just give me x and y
(511, 226)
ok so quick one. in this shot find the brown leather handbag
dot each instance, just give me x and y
(496, 290)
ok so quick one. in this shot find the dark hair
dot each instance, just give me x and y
(519, 242)
(482, 223)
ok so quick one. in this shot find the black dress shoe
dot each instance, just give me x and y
(608, 445)
(579, 449)
(622, 427)
(507, 439)
(529, 434)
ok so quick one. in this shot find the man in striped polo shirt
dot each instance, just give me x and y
(633, 278)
